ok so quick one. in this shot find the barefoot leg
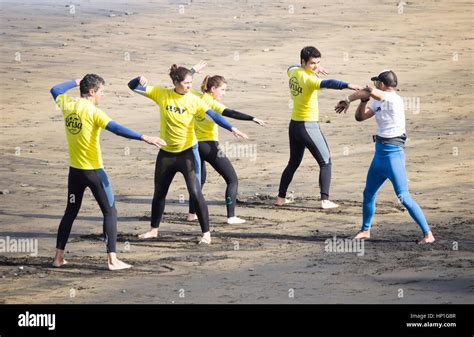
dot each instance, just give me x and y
(59, 259)
(206, 238)
(282, 201)
(362, 235)
(115, 264)
(152, 233)
(429, 238)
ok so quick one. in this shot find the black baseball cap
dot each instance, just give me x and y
(387, 77)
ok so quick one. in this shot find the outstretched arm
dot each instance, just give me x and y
(224, 123)
(125, 132)
(336, 84)
(61, 88)
(241, 116)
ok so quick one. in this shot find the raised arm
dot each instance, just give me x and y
(61, 88)
(359, 94)
(362, 112)
(138, 85)
(198, 68)
(375, 93)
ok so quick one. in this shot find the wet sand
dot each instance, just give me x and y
(279, 255)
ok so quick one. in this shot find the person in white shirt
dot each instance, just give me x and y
(389, 157)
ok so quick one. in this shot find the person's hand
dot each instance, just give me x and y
(143, 81)
(78, 81)
(157, 141)
(199, 67)
(260, 122)
(341, 106)
(321, 71)
(239, 134)
(354, 87)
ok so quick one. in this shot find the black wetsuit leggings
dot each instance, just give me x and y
(209, 152)
(99, 184)
(167, 164)
(307, 135)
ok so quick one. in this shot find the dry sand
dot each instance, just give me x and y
(278, 252)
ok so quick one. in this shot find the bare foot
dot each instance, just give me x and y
(118, 265)
(327, 204)
(191, 217)
(235, 220)
(429, 238)
(59, 259)
(206, 239)
(152, 233)
(362, 235)
(282, 201)
(59, 263)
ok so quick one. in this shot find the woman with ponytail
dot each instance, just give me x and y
(178, 111)
(213, 89)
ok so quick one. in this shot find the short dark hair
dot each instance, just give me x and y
(90, 81)
(309, 52)
(389, 78)
(178, 74)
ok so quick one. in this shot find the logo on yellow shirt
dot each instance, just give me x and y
(74, 123)
(295, 87)
(177, 109)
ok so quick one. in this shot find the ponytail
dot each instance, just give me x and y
(212, 81)
(204, 84)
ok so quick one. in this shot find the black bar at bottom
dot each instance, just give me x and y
(236, 320)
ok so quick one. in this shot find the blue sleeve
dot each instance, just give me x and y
(333, 84)
(292, 66)
(135, 86)
(120, 130)
(62, 88)
(219, 120)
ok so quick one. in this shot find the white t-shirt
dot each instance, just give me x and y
(390, 115)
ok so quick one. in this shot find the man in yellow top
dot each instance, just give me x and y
(304, 129)
(83, 122)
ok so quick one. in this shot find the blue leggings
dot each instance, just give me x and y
(389, 163)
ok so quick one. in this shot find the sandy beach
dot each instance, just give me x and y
(280, 255)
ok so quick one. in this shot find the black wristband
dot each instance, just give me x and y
(365, 100)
